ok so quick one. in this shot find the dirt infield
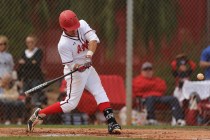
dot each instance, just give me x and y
(163, 134)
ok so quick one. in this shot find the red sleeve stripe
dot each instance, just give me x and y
(88, 31)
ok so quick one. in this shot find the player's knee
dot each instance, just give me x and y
(73, 106)
(101, 97)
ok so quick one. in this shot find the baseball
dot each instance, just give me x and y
(200, 76)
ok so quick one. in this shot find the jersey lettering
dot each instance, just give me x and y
(79, 49)
(82, 48)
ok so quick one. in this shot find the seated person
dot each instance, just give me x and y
(182, 69)
(152, 89)
(9, 100)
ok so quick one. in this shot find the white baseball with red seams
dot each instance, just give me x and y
(73, 50)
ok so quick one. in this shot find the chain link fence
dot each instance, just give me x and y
(169, 34)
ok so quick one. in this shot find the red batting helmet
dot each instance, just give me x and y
(68, 20)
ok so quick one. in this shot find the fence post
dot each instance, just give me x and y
(129, 61)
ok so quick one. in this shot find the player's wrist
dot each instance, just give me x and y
(89, 54)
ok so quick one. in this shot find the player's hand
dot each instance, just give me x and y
(88, 61)
(86, 65)
(81, 68)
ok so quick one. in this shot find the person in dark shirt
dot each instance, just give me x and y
(182, 68)
(29, 71)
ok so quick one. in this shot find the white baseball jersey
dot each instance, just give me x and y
(73, 50)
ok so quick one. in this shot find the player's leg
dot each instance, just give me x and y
(75, 87)
(95, 87)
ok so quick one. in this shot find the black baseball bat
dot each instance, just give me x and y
(46, 84)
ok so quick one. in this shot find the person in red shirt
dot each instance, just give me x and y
(152, 90)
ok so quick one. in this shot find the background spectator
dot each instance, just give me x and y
(152, 89)
(29, 71)
(205, 62)
(9, 100)
(182, 69)
(203, 105)
(6, 59)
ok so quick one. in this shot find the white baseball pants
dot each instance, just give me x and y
(77, 82)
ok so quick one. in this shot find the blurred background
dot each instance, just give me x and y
(163, 31)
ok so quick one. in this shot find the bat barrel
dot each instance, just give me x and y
(39, 87)
(46, 84)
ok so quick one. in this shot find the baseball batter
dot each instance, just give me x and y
(76, 47)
